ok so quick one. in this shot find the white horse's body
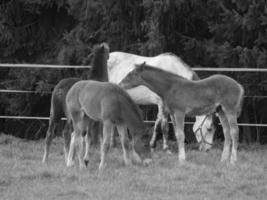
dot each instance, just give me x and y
(120, 64)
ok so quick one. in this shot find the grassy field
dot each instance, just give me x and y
(23, 176)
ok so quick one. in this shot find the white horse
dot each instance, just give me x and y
(120, 64)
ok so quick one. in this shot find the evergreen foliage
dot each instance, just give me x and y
(208, 33)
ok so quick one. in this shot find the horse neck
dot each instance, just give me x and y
(99, 69)
(132, 115)
(156, 81)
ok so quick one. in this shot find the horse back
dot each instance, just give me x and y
(121, 63)
(205, 94)
(91, 97)
(104, 101)
(227, 90)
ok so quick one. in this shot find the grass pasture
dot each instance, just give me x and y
(23, 176)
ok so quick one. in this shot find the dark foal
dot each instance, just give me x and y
(58, 109)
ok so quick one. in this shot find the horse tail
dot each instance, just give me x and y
(240, 101)
(56, 109)
(58, 100)
(99, 62)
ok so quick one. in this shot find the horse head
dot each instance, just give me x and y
(133, 78)
(142, 146)
(204, 129)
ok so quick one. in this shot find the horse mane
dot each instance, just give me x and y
(195, 77)
(150, 67)
(99, 62)
(178, 58)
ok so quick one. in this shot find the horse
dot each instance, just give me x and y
(217, 93)
(120, 64)
(108, 103)
(99, 55)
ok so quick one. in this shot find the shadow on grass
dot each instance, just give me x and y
(40, 175)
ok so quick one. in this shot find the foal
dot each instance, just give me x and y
(99, 55)
(110, 104)
(121, 63)
(184, 97)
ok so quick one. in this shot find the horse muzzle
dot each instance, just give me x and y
(204, 147)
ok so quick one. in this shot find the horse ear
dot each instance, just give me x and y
(102, 46)
(140, 66)
(136, 66)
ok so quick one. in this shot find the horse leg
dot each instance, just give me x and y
(108, 126)
(162, 119)
(80, 128)
(70, 161)
(152, 142)
(165, 131)
(135, 155)
(94, 133)
(112, 138)
(49, 137)
(226, 132)
(178, 121)
(79, 125)
(234, 133)
(87, 149)
(80, 151)
(124, 144)
(87, 143)
(67, 138)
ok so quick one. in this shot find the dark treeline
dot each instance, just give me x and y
(205, 33)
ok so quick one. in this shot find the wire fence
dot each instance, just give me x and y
(223, 69)
(8, 65)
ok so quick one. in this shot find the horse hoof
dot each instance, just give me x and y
(232, 161)
(45, 158)
(86, 162)
(183, 163)
(136, 158)
(153, 145)
(128, 163)
(101, 167)
(182, 160)
(82, 167)
(224, 159)
(70, 163)
(168, 151)
(147, 161)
